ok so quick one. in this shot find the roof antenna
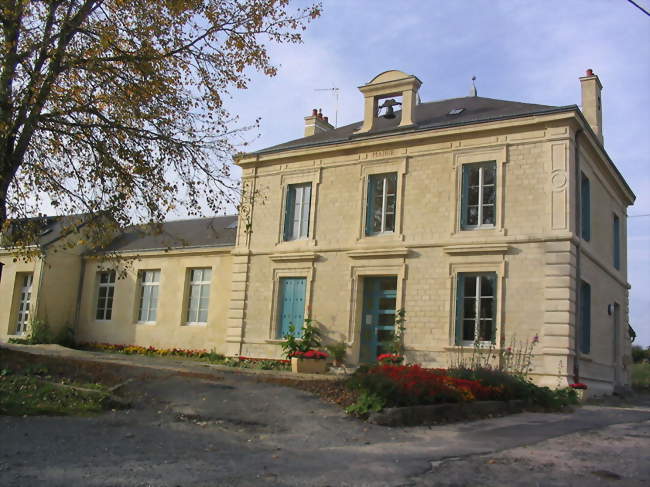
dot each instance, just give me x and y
(472, 90)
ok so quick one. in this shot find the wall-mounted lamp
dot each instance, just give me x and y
(610, 309)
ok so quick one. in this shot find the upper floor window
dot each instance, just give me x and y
(149, 281)
(105, 291)
(475, 308)
(296, 211)
(585, 208)
(382, 199)
(478, 198)
(199, 295)
(616, 235)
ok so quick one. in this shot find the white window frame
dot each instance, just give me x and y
(145, 314)
(384, 202)
(477, 309)
(108, 287)
(193, 315)
(300, 224)
(481, 186)
(24, 304)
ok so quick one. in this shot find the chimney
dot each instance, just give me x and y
(316, 123)
(591, 104)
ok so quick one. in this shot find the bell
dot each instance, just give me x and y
(390, 113)
(388, 105)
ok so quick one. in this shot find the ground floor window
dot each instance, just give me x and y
(199, 296)
(291, 304)
(148, 295)
(24, 303)
(475, 308)
(105, 291)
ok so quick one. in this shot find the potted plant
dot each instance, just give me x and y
(581, 390)
(302, 350)
(338, 351)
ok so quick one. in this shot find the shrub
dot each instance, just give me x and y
(309, 339)
(639, 354)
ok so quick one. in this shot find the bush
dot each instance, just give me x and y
(639, 354)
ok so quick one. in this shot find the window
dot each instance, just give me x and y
(105, 291)
(616, 231)
(199, 295)
(296, 213)
(475, 308)
(585, 317)
(291, 308)
(24, 303)
(478, 198)
(382, 198)
(585, 208)
(148, 295)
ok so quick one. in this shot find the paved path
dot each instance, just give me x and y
(230, 428)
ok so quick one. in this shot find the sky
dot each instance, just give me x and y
(529, 51)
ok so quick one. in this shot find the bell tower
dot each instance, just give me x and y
(386, 85)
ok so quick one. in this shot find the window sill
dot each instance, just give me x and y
(481, 347)
(145, 323)
(378, 237)
(198, 323)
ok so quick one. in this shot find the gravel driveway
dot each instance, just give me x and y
(229, 428)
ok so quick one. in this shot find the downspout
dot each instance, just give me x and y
(576, 341)
(41, 278)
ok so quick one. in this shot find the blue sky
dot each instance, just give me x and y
(518, 50)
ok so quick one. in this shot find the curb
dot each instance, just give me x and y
(443, 413)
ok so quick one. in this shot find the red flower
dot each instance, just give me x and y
(313, 354)
(390, 358)
(578, 385)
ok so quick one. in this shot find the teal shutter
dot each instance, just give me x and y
(616, 230)
(289, 208)
(585, 208)
(370, 204)
(292, 305)
(585, 317)
(464, 195)
(493, 280)
(460, 290)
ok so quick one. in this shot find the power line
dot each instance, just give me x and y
(639, 7)
(637, 216)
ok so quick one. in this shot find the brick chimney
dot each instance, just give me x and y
(591, 104)
(316, 123)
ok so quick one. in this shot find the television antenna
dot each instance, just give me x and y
(334, 91)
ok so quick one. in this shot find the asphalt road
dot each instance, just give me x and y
(232, 429)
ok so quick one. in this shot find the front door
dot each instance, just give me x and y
(24, 304)
(378, 318)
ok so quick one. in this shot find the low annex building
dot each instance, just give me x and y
(486, 221)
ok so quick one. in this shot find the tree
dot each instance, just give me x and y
(116, 107)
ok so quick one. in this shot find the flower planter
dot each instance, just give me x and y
(308, 365)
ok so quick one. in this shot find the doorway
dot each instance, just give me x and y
(378, 317)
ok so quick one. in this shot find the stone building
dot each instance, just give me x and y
(491, 223)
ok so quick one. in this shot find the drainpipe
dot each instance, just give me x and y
(77, 310)
(576, 342)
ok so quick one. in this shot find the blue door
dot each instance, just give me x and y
(378, 318)
(292, 304)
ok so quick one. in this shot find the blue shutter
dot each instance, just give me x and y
(291, 304)
(460, 290)
(617, 242)
(585, 317)
(289, 208)
(464, 196)
(370, 204)
(585, 208)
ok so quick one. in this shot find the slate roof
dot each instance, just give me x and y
(48, 228)
(217, 231)
(428, 116)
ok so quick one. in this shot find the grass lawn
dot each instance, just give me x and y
(641, 376)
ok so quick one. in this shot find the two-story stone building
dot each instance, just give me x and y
(487, 221)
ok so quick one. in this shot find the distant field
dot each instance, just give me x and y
(641, 376)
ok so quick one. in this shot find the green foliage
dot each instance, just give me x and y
(639, 354)
(641, 376)
(41, 333)
(366, 403)
(309, 339)
(396, 345)
(337, 350)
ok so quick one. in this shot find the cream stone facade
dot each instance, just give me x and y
(469, 214)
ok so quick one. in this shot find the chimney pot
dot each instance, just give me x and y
(314, 112)
(326, 119)
(590, 72)
(320, 113)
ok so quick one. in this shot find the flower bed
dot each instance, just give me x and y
(390, 386)
(203, 355)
